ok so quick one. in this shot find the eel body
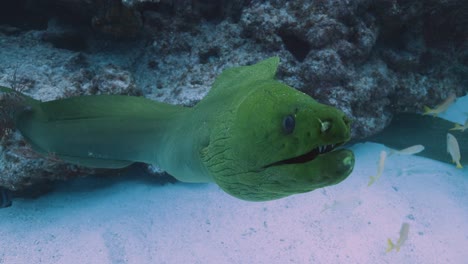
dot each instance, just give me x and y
(257, 138)
(408, 129)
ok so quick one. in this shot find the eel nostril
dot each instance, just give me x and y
(324, 126)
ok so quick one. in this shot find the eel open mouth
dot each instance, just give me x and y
(311, 155)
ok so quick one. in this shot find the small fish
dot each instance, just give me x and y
(460, 127)
(408, 151)
(5, 197)
(404, 230)
(345, 204)
(454, 150)
(441, 107)
(372, 179)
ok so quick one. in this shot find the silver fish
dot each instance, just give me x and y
(454, 150)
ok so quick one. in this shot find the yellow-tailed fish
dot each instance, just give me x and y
(404, 230)
(460, 127)
(454, 150)
(372, 179)
(441, 107)
(408, 151)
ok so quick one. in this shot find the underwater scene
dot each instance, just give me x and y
(233, 131)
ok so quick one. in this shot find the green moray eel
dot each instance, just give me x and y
(255, 137)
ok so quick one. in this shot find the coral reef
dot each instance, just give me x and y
(371, 59)
(368, 58)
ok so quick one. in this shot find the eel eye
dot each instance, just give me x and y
(288, 124)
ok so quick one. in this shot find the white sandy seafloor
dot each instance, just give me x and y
(135, 221)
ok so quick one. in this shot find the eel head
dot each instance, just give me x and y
(277, 142)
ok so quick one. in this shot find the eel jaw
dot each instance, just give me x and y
(309, 156)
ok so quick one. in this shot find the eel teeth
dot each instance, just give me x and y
(325, 148)
(311, 155)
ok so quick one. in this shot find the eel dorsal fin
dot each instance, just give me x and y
(232, 79)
